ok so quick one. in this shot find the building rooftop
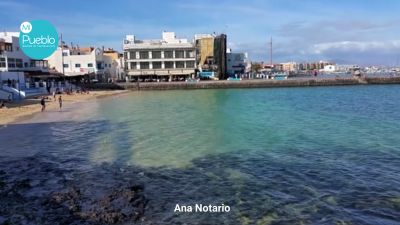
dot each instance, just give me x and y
(6, 36)
(79, 50)
(168, 40)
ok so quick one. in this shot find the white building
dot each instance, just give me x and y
(77, 61)
(168, 57)
(329, 69)
(17, 71)
(13, 60)
(237, 63)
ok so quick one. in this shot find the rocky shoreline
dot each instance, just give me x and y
(34, 191)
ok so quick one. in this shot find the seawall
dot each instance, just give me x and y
(305, 82)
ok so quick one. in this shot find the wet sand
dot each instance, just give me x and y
(25, 109)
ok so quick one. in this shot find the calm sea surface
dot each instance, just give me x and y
(323, 155)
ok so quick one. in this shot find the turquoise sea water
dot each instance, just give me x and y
(324, 155)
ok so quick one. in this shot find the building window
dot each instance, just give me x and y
(77, 65)
(65, 53)
(105, 65)
(99, 66)
(179, 54)
(18, 63)
(90, 65)
(144, 65)
(2, 62)
(169, 65)
(189, 64)
(133, 65)
(156, 54)
(168, 54)
(8, 47)
(156, 65)
(180, 64)
(66, 65)
(132, 55)
(144, 55)
(25, 64)
(125, 55)
(11, 63)
(190, 54)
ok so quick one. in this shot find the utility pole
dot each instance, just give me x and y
(270, 53)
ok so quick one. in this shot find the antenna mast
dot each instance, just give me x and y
(270, 53)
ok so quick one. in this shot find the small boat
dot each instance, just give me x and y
(279, 76)
(234, 79)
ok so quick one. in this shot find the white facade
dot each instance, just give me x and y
(14, 63)
(329, 68)
(13, 59)
(84, 61)
(236, 63)
(168, 56)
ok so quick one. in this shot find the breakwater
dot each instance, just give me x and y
(304, 82)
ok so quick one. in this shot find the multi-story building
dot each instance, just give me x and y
(17, 68)
(314, 65)
(12, 59)
(168, 58)
(289, 67)
(86, 61)
(211, 55)
(237, 63)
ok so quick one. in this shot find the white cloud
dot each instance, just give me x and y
(356, 46)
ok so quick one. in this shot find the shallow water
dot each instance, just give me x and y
(323, 155)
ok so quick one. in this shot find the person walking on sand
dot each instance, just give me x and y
(60, 101)
(43, 103)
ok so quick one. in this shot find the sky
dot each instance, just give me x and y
(364, 32)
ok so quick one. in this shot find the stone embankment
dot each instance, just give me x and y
(304, 82)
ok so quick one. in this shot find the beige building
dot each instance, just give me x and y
(205, 49)
(211, 55)
(289, 66)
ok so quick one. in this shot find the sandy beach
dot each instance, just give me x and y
(19, 110)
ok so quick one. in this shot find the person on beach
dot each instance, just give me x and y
(2, 105)
(60, 101)
(43, 103)
(54, 95)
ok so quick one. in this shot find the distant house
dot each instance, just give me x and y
(329, 68)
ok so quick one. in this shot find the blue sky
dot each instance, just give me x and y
(365, 32)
